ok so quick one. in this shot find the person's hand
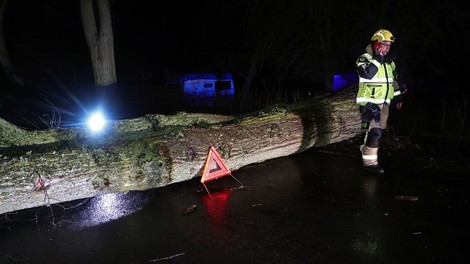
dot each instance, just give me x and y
(380, 50)
(399, 105)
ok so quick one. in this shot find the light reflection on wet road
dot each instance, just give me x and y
(307, 208)
(108, 207)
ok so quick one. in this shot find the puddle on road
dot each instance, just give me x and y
(105, 208)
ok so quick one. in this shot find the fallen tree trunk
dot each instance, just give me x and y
(156, 150)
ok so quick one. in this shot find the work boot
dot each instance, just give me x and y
(374, 169)
(369, 159)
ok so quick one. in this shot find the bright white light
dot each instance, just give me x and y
(96, 122)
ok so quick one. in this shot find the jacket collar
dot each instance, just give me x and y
(369, 50)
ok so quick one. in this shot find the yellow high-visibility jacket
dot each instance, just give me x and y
(376, 81)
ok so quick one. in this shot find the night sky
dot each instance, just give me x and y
(290, 43)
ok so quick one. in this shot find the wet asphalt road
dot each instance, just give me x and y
(315, 207)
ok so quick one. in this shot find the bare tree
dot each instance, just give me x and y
(294, 42)
(99, 37)
(4, 57)
(273, 56)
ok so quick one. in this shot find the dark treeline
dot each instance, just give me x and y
(279, 51)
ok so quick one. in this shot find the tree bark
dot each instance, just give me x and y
(59, 165)
(100, 40)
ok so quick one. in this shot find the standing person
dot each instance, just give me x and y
(378, 85)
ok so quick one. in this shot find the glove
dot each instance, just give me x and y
(397, 99)
(371, 111)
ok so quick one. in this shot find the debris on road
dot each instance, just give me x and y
(406, 198)
(189, 210)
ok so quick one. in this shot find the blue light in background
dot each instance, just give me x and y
(208, 84)
(343, 80)
(204, 89)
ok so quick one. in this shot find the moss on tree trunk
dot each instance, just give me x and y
(156, 150)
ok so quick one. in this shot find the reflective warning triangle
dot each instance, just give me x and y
(214, 167)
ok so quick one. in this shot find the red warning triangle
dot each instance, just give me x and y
(215, 167)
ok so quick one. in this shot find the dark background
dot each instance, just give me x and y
(294, 48)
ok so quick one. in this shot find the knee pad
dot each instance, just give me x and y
(373, 137)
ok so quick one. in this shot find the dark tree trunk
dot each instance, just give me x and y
(156, 150)
(4, 56)
(99, 36)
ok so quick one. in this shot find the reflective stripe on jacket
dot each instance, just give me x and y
(380, 88)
